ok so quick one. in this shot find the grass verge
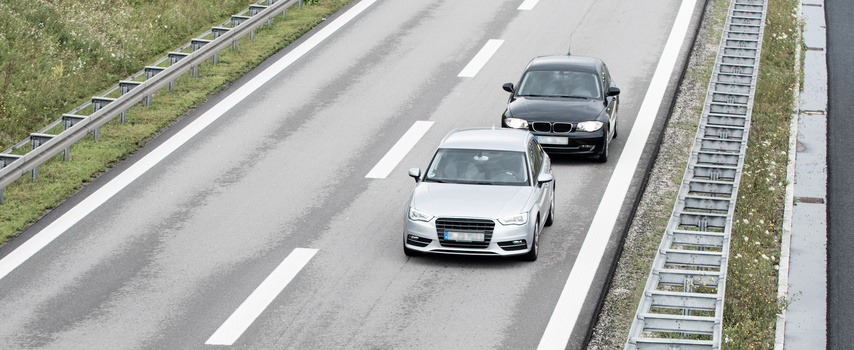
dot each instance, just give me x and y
(751, 303)
(25, 200)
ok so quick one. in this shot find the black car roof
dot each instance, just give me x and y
(565, 62)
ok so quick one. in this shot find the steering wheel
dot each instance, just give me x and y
(504, 176)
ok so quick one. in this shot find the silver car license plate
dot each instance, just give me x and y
(464, 236)
(553, 140)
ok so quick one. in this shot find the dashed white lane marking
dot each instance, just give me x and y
(568, 308)
(258, 301)
(82, 209)
(528, 5)
(481, 58)
(399, 150)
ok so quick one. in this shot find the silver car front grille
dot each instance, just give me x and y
(464, 225)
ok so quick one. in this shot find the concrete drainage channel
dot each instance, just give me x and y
(683, 301)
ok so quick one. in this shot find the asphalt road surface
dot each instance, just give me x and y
(252, 222)
(840, 173)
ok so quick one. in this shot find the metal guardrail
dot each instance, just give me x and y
(683, 300)
(45, 146)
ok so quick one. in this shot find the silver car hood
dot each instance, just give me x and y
(480, 201)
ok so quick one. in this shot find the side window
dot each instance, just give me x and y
(534, 153)
(606, 77)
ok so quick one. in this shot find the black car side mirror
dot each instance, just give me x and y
(416, 174)
(508, 87)
(613, 91)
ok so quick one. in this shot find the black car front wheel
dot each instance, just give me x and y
(603, 157)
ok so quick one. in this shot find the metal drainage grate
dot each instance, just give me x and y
(683, 301)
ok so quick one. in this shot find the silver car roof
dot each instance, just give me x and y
(502, 139)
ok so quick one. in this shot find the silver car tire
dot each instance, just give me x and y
(410, 252)
(551, 219)
(531, 255)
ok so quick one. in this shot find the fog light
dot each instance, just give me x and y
(518, 241)
(586, 146)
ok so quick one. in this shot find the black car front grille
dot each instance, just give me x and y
(562, 127)
(464, 225)
(541, 126)
(551, 127)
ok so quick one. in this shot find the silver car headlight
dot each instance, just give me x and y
(589, 126)
(518, 219)
(516, 123)
(417, 215)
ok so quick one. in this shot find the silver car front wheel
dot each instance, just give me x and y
(535, 245)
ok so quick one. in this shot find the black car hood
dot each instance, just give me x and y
(556, 109)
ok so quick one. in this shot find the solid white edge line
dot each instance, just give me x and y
(528, 5)
(399, 150)
(571, 301)
(82, 209)
(481, 58)
(264, 294)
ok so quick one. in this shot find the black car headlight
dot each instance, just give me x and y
(516, 123)
(589, 126)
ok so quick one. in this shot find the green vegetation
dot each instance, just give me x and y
(751, 304)
(58, 54)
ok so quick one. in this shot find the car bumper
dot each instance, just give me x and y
(506, 240)
(580, 143)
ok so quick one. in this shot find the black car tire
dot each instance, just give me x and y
(410, 252)
(531, 255)
(551, 219)
(603, 157)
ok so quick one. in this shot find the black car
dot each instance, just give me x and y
(568, 102)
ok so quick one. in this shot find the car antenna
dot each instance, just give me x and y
(569, 50)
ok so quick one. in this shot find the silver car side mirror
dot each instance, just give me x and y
(545, 177)
(416, 174)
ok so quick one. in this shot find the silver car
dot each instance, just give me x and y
(486, 192)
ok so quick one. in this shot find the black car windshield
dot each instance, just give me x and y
(486, 167)
(559, 84)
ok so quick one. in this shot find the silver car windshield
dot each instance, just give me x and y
(542, 83)
(487, 167)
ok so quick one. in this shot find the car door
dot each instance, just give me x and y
(611, 102)
(540, 163)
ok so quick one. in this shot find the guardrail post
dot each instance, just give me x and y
(256, 9)
(196, 44)
(68, 120)
(126, 86)
(173, 58)
(271, 2)
(97, 104)
(6, 159)
(217, 32)
(151, 71)
(37, 140)
(236, 21)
